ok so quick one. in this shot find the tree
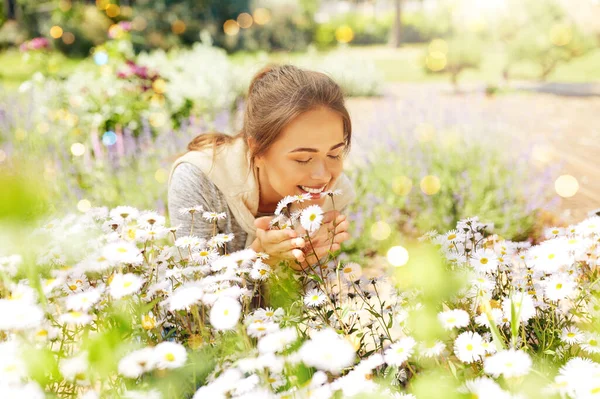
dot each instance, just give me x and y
(397, 31)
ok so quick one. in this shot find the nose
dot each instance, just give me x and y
(320, 172)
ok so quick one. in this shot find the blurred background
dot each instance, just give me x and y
(460, 107)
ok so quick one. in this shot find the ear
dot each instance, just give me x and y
(251, 141)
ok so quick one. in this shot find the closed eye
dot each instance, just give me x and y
(310, 159)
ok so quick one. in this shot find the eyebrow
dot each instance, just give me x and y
(304, 149)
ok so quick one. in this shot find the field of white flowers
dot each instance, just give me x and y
(115, 303)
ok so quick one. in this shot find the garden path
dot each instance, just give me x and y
(563, 130)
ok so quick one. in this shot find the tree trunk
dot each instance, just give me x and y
(397, 38)
(9, 7)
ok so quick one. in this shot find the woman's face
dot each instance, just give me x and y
(306, 157)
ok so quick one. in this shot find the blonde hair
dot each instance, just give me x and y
(278, 94)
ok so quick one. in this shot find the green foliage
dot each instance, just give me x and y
(544, 36)
(86, 23)
(464, 51)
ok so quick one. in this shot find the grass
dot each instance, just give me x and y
(397, 65)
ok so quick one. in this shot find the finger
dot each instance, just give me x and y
(263, 222)
(277, 236)
(285, 246)
(330, 216)
(321, 253)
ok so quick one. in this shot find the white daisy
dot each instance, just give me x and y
(283, 203)
(19, 315)
(83, 301)
(214, 216)
(456, 318)
(277, 341)
(484, 260)
(314, 298)
(225, 313)
(523, 304)
(151, 219)
(351, 271)
(75, 368)
(136, 363)
(399, 352)
(467, 347)
(260, 271)
(122, 252)
(191, 210)
(259, 328)
(124, 213)
(205, 256)
(591, 343)
(222, 238)
(192, 242)
(184, 297)
(327, 351)
(169, 355)
(559, 287)
(124, 284)
(433, 349)
(75, 318)
(572, 335)
(311, 218)
(484, 387)
(508, 363)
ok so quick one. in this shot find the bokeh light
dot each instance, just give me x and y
(561, 34)
(65, 5)
(380, 231)
(20, 134)
(244, 20)
(344, 34)
(161, 175)
(397, 256)
(77, 149)
(102, 4)
(100, 57)
(84, 205)
(159, 86)
(158, 119)
(178, 27)
(436, 61)
(113, 10)
(109, 138)
(566, 186)
(231, 27)
(68, 38)
(56, 32)
(430, 185)
(139, 23)
(402, 185)
(439, 45)
(262, 16)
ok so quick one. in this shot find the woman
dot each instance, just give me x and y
(295, 134)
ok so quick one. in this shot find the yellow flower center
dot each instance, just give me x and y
(469, 347)
(451, 236)
(483, 261)
(170, 357)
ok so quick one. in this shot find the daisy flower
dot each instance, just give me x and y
(260, 271)
(508, 363)
(83, 301)
(302, 197)
(190, 242)
(122, 252)
(124, 284)
(351, 271)
(150, 219)
(559, 287)
(484, 261)
(259, 328)
(205, 256)
(214, 216)
(484, 387)
(432, 350)
(554, 232)
(467, 347)
(137, 363)
(311, 218)
(399, 352)
(277, 341)
(591, 343)
(191, 210)
(450, 237)
(523, 304)
(124, 213)
(221, 239)
(184, 297)
(169, 355)
(331, 193)
(74, 368)
(283, 203)
(456, 318)
(572, 335)
(314, 298)
(75, 318)
(225, 313)
(19, 315)
(327, 351)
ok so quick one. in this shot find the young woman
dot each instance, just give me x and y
(295, 134)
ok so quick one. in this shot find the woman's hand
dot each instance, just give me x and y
(333, 232)
(278, 244)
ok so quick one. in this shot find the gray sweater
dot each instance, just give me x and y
(191, 187)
